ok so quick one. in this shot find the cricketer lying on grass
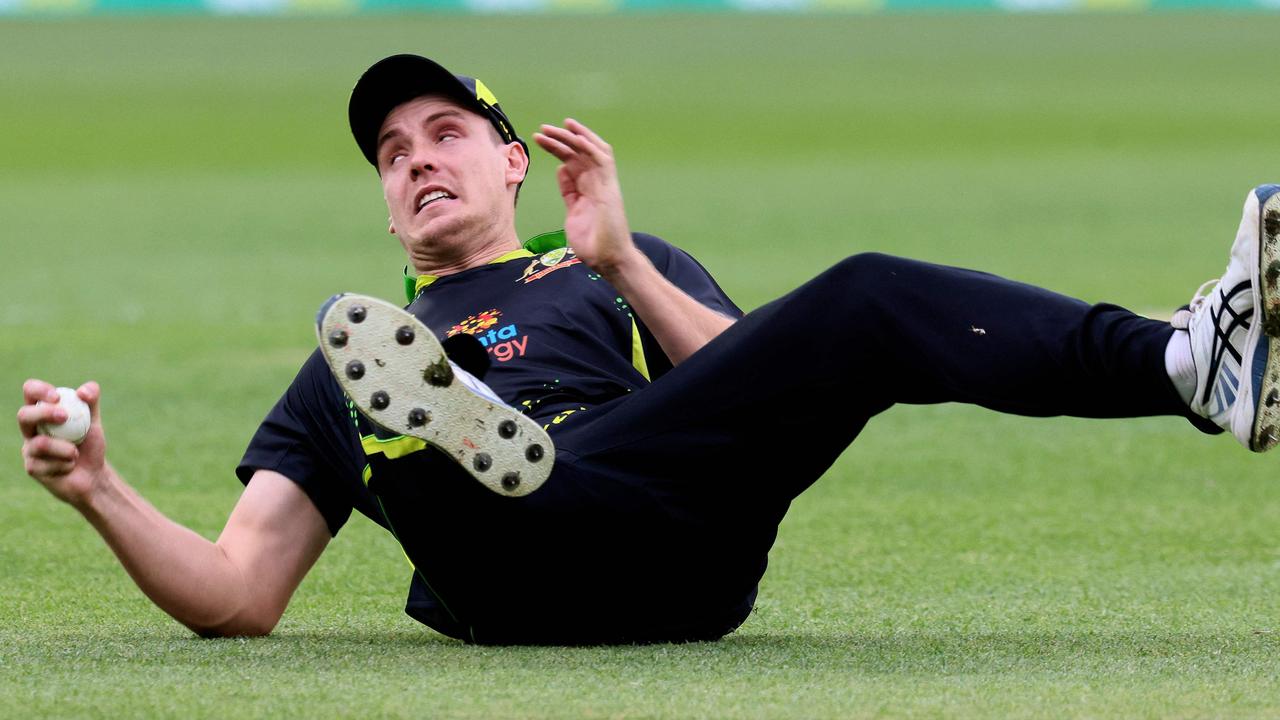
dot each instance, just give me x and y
(580, 438)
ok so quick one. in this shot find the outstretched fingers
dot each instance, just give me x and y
(559, 150)
(568, 142)
(586, 132)
(566, 183)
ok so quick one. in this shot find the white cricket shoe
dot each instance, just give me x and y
(396, 372)
(1235, 331)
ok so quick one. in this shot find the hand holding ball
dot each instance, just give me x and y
(76, 425)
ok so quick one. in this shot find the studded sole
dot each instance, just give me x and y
(1266, 425)
(396, 372)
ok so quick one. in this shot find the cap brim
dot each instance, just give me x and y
(392, 81)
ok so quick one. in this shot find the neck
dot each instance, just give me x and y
(440, 257)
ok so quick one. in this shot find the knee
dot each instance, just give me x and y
(869, 264)
(868, 273)
(859, 292)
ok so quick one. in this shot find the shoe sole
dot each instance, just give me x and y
(396, 372)
(1266, 380)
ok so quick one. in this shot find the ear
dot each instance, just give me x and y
(517, 163)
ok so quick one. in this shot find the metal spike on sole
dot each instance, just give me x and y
(396, 372)
(1266, 424)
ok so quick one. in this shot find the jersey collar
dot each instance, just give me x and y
(546, 242)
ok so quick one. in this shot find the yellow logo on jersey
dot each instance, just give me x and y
(547, 263)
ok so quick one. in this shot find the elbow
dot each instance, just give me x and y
(237, 626)
(246, 630)
(217, 633)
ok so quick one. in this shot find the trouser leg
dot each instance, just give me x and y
(785, 390)
(700, 467)
(659, 516)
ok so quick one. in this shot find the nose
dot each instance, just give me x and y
(420, 163)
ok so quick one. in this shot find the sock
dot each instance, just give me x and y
(1179, 364)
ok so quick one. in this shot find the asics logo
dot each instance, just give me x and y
(1224, 388)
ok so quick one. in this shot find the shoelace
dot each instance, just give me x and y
(1182, 318)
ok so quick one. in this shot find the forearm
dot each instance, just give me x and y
(186, 575)
(681, 324)
(596, 226)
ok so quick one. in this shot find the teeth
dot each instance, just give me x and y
(432, 196)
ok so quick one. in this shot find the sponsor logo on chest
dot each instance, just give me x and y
(503, 341)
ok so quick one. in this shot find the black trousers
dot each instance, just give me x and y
(657, 521)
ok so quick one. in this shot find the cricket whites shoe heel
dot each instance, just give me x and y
(398, 375)
(1234, 331)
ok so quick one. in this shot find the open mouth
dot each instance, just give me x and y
(434, 196)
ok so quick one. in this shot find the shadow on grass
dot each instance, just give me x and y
(908, 652)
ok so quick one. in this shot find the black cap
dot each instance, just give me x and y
(400, 78)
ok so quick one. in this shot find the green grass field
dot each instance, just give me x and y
(177, 196)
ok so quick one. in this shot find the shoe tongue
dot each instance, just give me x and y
(467, 353)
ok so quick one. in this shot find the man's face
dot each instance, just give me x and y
(446, 175)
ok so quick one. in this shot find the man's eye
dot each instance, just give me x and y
(448, 136)
(396, 158)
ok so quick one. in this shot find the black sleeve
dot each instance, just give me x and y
(310, 438)
(686, 273)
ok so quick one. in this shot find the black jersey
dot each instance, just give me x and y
(560, 337)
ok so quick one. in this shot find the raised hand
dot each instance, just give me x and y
(67, 470)
(595, 222)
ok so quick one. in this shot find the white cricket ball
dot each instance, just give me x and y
(77, 423)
